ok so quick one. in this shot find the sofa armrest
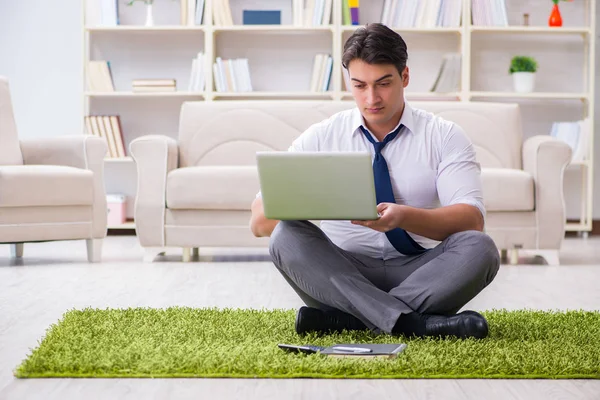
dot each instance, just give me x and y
(78, 151)
(546, 158)
(155, 156)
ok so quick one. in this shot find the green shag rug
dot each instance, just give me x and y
(242, 343)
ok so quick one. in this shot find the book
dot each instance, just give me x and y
(351, 350)
(575, 134)
(261, 17)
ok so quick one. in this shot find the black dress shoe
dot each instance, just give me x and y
(311, 319)
(467, 324)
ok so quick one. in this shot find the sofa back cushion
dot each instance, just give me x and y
(10, 149)
(231, 132)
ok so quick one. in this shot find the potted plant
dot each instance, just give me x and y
(523, 69)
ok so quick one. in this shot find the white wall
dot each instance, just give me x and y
(41, 52)
(41, 49)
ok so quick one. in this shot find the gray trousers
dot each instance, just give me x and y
(439, 281)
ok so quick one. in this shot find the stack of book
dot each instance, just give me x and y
(154, 85)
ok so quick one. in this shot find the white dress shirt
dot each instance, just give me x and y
(432, 163)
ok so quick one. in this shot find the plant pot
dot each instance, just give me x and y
(524, 82)
(149, 16)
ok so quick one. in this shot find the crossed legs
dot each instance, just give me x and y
(378, 292)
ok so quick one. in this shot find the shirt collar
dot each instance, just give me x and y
(407, 119)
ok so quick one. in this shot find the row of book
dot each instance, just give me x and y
(448, 77)
(489, 12)
(107, 127)
(422, 14)
(197, 75)
(316, 12)
(396, 13)
(106, 12)
(576, 134)
(232, 75)
(321, 73)
(192, 12)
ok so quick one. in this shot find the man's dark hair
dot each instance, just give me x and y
(376, 44)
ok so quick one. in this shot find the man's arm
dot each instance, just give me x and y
(459, 189)
(436, 224)
(307, 141)
(439, 223)
(259, 224)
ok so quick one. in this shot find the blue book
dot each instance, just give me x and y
(262, 17)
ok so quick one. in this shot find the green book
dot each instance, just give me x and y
(346, 15)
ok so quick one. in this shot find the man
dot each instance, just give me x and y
(410, 271)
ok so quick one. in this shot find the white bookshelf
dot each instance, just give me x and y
(165, 50)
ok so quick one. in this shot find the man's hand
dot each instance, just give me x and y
(259, 224)
(390, 217)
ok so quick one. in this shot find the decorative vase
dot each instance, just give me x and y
(149, 17)
(523, 81)
(555, 18)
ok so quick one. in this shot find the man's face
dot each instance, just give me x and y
(378, 90)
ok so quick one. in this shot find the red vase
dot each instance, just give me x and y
(555, 18)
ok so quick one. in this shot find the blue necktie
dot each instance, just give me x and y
(384, 193)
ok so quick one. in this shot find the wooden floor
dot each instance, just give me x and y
(55, 277)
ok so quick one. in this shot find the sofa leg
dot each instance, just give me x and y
(186, 254)
(16, 250)
(514, 256)
(503, 255)
(150, 253)
(552, 257)
(94, 250)
(195, 252)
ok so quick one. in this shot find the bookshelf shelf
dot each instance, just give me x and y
(532, 95)
(144, 94)
(119, 160)
(140, 28)
(274, 95)
(274, 29)
(440, 30)
(530, 29)
(281, 60)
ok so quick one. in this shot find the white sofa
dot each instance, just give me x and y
(196, 191)
(50, 188)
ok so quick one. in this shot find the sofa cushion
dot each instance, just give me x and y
(45, 185)
(212, 187)
(507, 189)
